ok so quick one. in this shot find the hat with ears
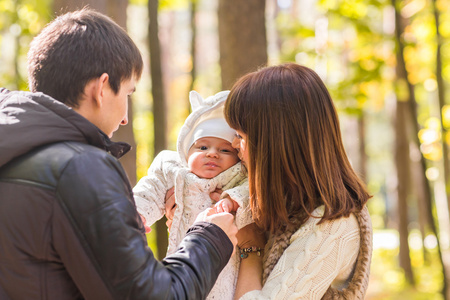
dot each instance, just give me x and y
(206, 120)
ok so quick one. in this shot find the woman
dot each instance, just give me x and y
(303, 190)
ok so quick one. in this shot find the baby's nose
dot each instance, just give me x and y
(212, 153)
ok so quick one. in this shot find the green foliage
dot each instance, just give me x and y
(387, 280)
(174, 4)
(19, 21)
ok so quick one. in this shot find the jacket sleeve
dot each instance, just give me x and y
(96, 198)
(150, 191)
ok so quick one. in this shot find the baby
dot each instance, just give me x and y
(204, 162)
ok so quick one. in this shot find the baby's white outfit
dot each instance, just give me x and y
(169, 169)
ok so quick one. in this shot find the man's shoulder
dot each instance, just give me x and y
(66, 150)
(45, 164)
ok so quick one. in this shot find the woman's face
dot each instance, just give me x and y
(240, 144)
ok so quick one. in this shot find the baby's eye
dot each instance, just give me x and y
(203, 148)
(225, 150)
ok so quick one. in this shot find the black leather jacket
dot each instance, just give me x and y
(68, 223)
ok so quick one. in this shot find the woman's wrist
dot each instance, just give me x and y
(253, 250)
(250, 275)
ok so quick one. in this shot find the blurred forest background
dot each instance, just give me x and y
(385, 62)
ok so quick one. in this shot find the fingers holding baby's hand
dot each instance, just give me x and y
(222, 206)
(223, 220)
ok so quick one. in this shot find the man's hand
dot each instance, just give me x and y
(170, 207)
(223, 220)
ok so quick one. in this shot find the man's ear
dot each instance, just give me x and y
(101, 85)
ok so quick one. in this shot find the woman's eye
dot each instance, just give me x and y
(203, 148)
(237, 135)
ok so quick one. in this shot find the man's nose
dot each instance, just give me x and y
(124, 121)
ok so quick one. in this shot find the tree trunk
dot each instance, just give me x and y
(242, 38)
(117, 10)
(361, 146)
(441, 98)
(193, 11)
(402, 162)
(159, 111)
(403, 75)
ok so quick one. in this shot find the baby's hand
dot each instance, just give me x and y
(226, 205)
(215, 196)
(147, 228)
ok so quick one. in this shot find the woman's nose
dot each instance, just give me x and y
(235, 143)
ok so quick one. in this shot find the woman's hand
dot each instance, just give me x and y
(251, 236)
(170, 208)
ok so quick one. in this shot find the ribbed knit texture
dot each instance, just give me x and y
(319, 261)
(360, 281)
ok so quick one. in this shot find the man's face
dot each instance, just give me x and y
(210, 156)
(115, 107)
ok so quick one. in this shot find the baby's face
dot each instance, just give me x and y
(210, 156)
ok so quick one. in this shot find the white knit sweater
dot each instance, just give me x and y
(319, 255)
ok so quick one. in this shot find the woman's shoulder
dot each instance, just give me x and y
(335, 227)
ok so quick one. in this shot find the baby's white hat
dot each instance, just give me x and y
(211, 128)
(206, 120)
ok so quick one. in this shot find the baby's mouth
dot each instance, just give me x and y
(211, 164)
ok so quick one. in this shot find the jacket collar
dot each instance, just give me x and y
(31, 120)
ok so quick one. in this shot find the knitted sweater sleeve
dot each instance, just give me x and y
(319, 255)
(240, 194)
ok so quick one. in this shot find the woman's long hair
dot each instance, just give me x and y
(297, 160)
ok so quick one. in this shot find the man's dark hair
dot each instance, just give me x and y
(77, 47)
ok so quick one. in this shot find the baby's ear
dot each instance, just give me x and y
(196, 100)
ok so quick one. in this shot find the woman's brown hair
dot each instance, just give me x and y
(297, 160)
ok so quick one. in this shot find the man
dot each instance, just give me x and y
(68, 224)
